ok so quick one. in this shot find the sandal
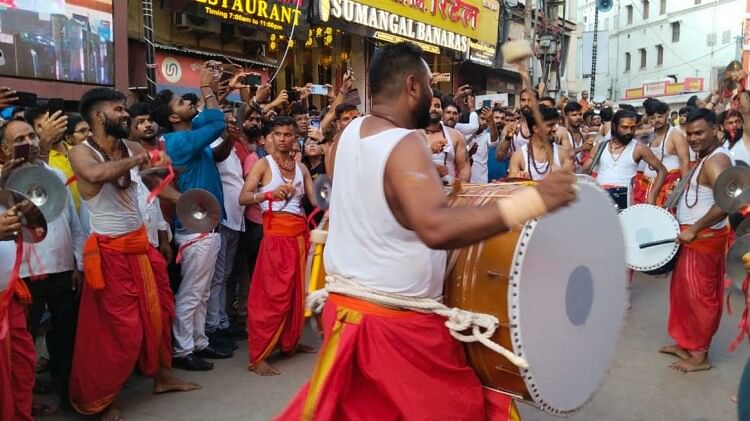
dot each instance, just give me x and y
(42, 388)
(40, 409)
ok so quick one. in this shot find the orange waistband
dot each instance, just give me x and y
(715, 242)
(135, 242)
(283, 224)
(368, 307)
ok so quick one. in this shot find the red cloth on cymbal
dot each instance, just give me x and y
(276, 302)
(128, 322)
(695, 293)
(386, 364)
(17, 364)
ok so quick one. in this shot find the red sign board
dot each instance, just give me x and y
(181, 73)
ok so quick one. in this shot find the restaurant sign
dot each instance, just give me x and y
(450, 24)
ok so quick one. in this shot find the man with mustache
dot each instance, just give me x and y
(696, 290)
(571, 135)
(670, 147)
(539, 157)
(519, 134)
(55, 276)
(125, 315)
(448, 145)
(616, 161)
(379, 361)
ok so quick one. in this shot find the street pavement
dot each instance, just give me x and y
(639, 386)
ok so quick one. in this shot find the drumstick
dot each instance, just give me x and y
(667, 241)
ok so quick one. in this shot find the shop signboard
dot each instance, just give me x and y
(274, 16)
(450, 24)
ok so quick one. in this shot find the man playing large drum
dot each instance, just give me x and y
(390, 226)
(697, 282)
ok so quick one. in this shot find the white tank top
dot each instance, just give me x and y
(705, 196)
(740, 152)
(365, 241)
(114, 211)
(295, 203)
(669, 160)
(617, 172)
(448, 156)
(519, 141)
(543, 171)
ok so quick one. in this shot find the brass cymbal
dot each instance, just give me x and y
(42, 186)
(743, 228)
(322, 191)
(34, 226)
(735, 268)
(732, 189)
(198, 210)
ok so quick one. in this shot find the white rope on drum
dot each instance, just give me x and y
(482, 325)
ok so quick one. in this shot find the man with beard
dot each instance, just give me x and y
(447, 144)
(521, 133)
(379, 361)
(277, 184)
(670, 147)
(615, 162)
(695, 294)
(54, 276)
(188, 136)
(571, 135)
(730, 122)
(479, 142)
(143, 131)
(125, 316)
(539, 157)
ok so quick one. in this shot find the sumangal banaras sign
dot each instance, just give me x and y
(451, 24)
(275, 16)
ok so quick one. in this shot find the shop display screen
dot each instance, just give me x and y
(66, 40)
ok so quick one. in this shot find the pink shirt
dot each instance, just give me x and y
(252, 212)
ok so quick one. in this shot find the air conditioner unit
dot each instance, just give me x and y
(247, 33)
(187, 23)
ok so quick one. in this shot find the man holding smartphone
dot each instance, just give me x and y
(480, 142)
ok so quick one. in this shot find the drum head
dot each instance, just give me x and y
(646, 223)
(568, 295)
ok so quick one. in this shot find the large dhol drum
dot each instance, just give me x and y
(558, 287)
(650, 234)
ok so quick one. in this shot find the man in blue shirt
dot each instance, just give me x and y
(187, 139)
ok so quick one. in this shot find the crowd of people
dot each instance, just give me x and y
(120, 282)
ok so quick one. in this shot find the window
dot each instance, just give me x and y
(675, 31)
(663, 7)
(629, 9)
(726, 36)
(645, 9)
(627, 62)
(659, 55)
(643, 57)
(711, 39)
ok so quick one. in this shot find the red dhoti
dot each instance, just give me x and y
(125, 321)
(641, 187)
(695, 294)
(17, 358)
(386, 364)
(275, 315)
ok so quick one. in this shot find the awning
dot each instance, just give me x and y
(215, 54)
(669, 99)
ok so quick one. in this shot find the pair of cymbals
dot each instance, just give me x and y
(33, 223)
(42, 187)
(198, 210)
(732, 189)
(322, 191)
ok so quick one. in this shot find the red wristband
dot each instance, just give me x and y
(268, 196)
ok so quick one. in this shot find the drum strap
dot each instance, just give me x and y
(674, 197)
(482, 326)
(598, 156)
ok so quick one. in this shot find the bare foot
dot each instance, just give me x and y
(694, 363)
(306, 349)
(676, 351)
(112, 414)
(734, 398)
(165, 382)
(265, 369)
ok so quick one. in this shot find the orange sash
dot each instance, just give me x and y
(283, 224)
(135, 242)
(715, 240)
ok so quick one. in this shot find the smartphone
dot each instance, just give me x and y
(22, 151)
(225, 76)
(56, 104)
(26, 99)
(319, 90)
(239, 113)
(352, 97)
(315, 123)
(487, 103)
(292, 95)
(252, 80)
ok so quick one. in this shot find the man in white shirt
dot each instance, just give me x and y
(220, 333)
(52, 268)
(485, 137)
